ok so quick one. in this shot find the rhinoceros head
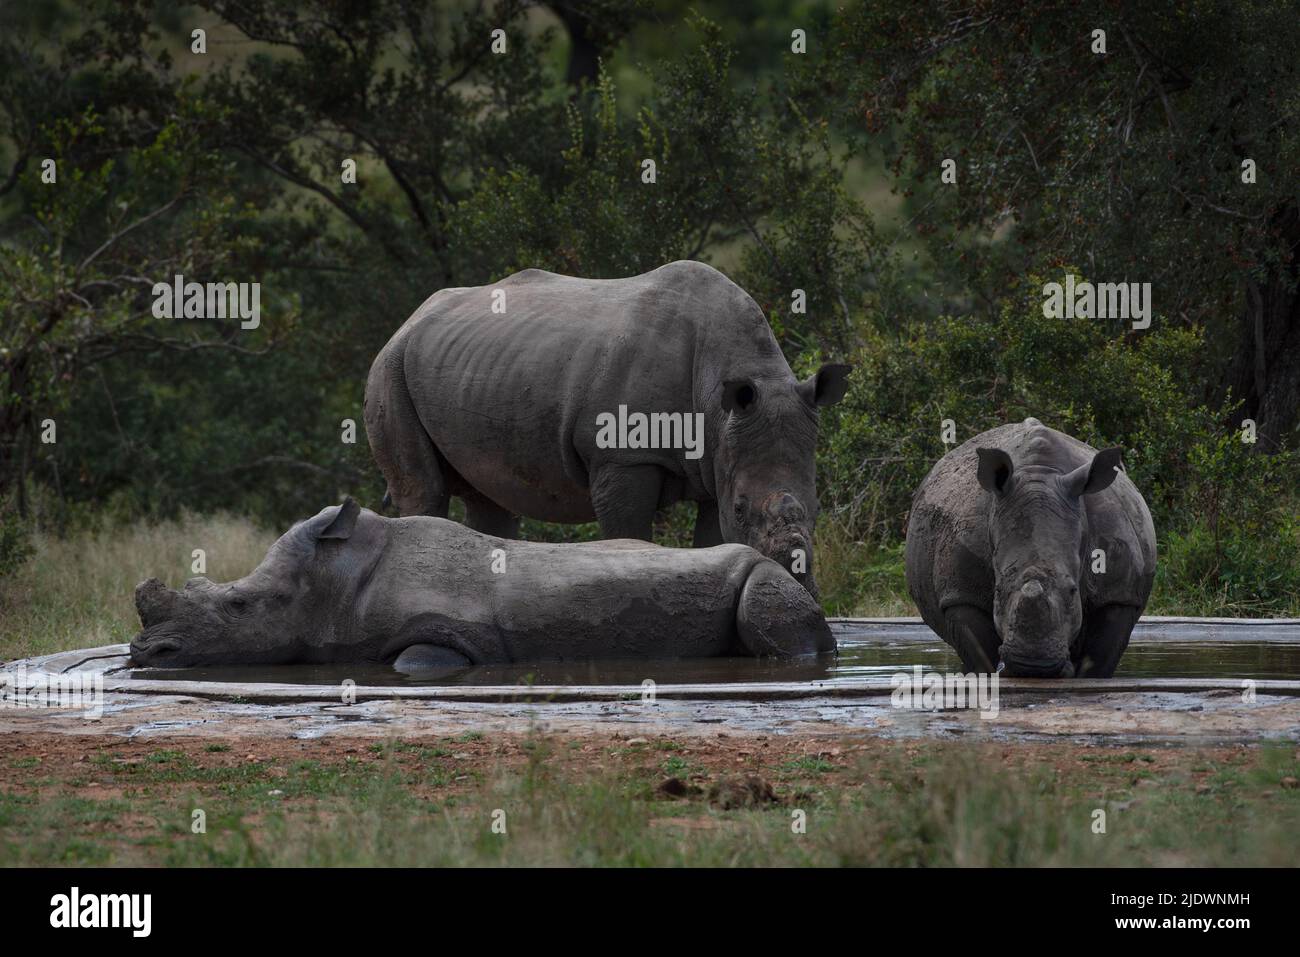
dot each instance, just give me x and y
(1037, 530)
(765, 464)
(258, 619)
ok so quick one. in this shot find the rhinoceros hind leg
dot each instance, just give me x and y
(423, 658)
(486, 516)
(625, 499)
(415, 470)
(971, 633)
(776, 617)
(707, 530)
(1106, 632)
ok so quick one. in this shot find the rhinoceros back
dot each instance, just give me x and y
(495, 600)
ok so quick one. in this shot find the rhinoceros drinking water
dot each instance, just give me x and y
(503, 395)
(1029, 549)
(352, 586)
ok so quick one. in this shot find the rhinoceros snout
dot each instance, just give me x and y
(149, 650)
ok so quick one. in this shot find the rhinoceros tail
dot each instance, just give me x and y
(776, 617)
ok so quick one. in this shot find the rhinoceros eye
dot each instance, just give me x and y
(236, 605)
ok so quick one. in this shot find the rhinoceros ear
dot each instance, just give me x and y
(995, 470)
(827, 385)
(343, 523)
(1095, 475)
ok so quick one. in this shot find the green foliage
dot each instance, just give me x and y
(776, 167)
(1129, 160)
(15, 543)
(1240, 572)
(1142, 394)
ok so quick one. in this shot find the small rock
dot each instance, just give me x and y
(632, 742)
(734, 792)
(274, 793)
(1290, 783)
(1203, 789)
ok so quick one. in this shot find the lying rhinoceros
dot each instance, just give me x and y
(523, 398)
(349, 585)
(1029, 548)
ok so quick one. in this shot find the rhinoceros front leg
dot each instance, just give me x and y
(625, 498)
(971, 633)
(708, 531)
(1106, 631)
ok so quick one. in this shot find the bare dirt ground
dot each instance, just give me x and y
(62, 763)
(585, 796)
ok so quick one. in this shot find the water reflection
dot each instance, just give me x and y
(860, 657)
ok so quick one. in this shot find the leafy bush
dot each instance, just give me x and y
(1225, 512)
(1239, 573)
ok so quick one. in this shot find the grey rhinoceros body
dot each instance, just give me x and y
(1005, 545)
(349, 585)
(494, 394)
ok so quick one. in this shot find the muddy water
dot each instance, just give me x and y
(864, 652)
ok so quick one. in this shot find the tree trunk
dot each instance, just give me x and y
(1265, 366)
(584, 54)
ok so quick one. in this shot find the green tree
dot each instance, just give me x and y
(1128, 161)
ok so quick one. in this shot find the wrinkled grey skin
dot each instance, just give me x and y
(999, 553)
(350, 586)
(501, 409)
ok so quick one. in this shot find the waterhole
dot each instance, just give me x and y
(1160, 649)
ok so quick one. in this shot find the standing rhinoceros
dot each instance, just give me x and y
(504, 396)
(1006, 545)
(350, 586)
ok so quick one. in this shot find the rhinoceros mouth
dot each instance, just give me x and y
(1015, 666)
(152, 649)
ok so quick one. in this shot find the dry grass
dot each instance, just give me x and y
(77, 592)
